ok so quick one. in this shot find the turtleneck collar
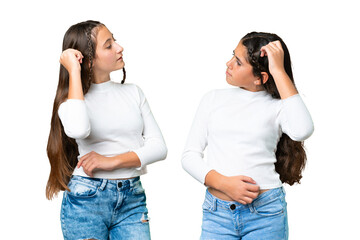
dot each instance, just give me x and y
(251, 94)
(100, 87)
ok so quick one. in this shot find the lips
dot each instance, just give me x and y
(120, 58)
(228, 74)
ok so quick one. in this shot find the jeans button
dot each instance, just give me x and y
(232, 206)
(119, 184)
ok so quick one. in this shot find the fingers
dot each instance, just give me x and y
(277, 43)
(271, 47)
(248, 197)
(247, 179)
(79, 56)
(82, 159)
(245, 200)
(252, 195)
(251, 184)
(242, 202)
(248, 200)
(252, 188)
(71, 59)
(263, 52)
(87, 163)
(91, 162)
(88, 167)
(266, 50)
(251, 192)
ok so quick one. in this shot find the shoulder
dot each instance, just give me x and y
(134, 91)
(218, 92)
(224, 92)
(130, 88)
(214, 96)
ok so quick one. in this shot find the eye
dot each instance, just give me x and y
(109, 47)
(238, 63)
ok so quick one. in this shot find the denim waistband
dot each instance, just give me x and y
(102, 182)
(217, 202)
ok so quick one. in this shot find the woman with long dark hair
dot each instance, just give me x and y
(254, 138)
(102, 136)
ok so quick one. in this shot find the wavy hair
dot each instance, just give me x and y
(290, 155)
(62, 151)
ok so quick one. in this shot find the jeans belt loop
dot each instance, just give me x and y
(214, 204)
(251, 207)
(103, 184)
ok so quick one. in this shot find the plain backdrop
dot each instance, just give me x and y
(176, 52)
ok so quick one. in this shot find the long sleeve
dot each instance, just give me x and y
(295, 119)
(74, 118)
(192, 158)
(154, 148)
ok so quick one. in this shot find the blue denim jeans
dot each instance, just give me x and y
(264, 219)
(104, 209)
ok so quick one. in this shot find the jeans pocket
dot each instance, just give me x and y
(82, 188)
(270, 206)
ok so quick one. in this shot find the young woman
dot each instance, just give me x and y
(102, 136)
(253, 134)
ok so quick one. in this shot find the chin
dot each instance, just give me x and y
(231, 83)
(120, 66)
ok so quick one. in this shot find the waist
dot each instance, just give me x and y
(121, 178)
(225, 197)
(117, 174)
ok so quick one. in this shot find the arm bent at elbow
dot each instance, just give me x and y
(74, 118)
(153, 150)
(295, 119)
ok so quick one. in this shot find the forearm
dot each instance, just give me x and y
(127, 160)
(215, 180)
(75, 86)
(284, 84)
(238, 188)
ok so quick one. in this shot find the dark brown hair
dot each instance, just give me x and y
(63, 151)
(290, 155)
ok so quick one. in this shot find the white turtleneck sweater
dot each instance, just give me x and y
(241, 130)
(113, 119)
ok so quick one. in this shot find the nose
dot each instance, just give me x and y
(119, 48)
(229, 63)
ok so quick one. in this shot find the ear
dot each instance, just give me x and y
(264, 76)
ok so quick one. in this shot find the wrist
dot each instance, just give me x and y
(117, 161)
(74, 71)
(279, 74)
(215, 180)
(222, 183)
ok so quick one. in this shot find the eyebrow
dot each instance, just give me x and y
(236, 56)
(109, 39)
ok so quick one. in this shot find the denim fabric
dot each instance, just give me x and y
(264, 219)
(104, 209)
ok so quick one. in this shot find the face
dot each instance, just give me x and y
(108, 53)
(240, 73)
